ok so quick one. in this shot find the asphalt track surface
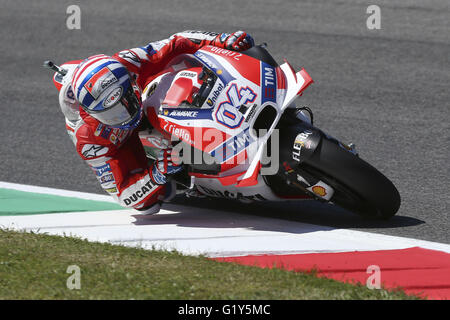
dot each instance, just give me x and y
(385, 90)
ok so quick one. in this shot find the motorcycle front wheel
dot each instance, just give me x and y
(358, 186)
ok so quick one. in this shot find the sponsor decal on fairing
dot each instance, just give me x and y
(251, 113)
(227, 53)
(322, 190)
(233, 146)
(184, 113)
(211, 101)
(227, 113)
(181, 133)
(301, 141)
(268, 83)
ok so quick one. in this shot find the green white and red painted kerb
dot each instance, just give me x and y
(418, 267)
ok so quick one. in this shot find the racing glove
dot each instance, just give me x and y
(238, 41)
(164, 167)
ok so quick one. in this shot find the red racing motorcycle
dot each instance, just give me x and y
(232, 119)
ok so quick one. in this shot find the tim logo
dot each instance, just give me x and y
(269, 83)
(227, 113)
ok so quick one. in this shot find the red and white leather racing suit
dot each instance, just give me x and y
(116, 156)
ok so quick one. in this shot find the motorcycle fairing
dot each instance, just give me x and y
(244, 87)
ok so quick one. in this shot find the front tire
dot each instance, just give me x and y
(359, 187)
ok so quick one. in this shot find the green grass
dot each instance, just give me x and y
(34, 266)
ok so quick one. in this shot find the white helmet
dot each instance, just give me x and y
(107, 92)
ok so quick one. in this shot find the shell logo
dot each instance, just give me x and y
(319, 190)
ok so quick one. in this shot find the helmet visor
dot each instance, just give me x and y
(119, 112)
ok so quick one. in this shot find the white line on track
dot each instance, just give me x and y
(56, 192)
(196, 231)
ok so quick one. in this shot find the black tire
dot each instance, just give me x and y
(359, 187)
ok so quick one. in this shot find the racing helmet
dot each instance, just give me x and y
(106, 91)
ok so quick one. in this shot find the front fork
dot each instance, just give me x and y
(299, 140)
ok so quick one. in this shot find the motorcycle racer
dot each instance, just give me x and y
(103, 109)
